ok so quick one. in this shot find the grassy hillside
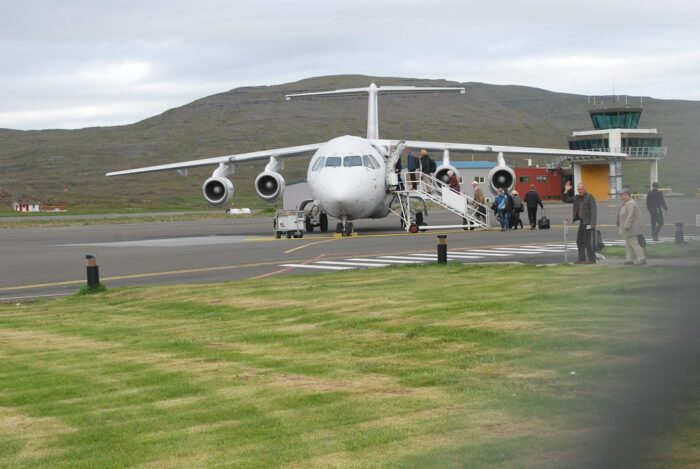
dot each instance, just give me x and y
(68, 166)
(305, 372)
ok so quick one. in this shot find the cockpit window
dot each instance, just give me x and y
(319, 163)
(334, 161)
(367, 162)
(352, 161)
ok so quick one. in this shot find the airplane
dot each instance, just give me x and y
(349, 176)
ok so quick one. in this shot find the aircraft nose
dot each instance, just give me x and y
(339, 196)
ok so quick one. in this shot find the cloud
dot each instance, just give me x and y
(67, 58)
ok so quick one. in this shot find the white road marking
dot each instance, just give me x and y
(354, 264)
(167, 242)
(516, 251)
(484, 252)
(406, 259)
(383, 261)
(312, 266)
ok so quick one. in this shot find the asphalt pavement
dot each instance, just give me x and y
(38, 262)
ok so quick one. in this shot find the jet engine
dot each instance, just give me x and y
(217, 190)
(441, 173)
(502, 176)
(269, 185)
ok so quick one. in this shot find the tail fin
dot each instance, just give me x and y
(374, 91)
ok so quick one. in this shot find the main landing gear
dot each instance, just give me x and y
(344, 228)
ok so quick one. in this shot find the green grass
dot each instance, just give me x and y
(659, 251)
(415, 366)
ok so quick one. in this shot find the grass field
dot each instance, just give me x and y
(417, 366)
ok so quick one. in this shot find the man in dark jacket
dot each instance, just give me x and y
(586, 211)
(425, 167)
(655, 202)
(412, 167)
(532, 200)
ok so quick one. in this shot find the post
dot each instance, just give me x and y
(93, 271)
(566, 245)
(679, 233)
(442, 249)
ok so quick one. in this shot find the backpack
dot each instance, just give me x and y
(502, 201)
(517, 204)
(433, 166)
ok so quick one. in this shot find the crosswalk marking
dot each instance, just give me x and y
(466, 255)
(313, 266)
(516, 251)
(403, 259)
(385, 261)
(483, 252)
(354, 264)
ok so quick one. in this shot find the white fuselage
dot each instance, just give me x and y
(347, 176)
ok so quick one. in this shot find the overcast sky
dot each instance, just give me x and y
(81, 63)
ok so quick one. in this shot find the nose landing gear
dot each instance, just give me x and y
(344, 228)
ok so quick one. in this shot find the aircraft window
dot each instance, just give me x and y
(319, 163)
(334, 161)
(367, 162)
(352, 161)
(376, 165)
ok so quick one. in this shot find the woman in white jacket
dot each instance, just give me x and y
(629, 220)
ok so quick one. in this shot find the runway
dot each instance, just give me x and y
(51, 261)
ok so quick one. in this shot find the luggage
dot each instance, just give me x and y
(543, 223)
(598, 243)
(642, 240)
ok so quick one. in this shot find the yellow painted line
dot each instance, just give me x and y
(143, 275)
(309, 244)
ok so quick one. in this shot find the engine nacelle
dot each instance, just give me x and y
(217, 190)
(501, 177)
(269, 185)
(441, 173)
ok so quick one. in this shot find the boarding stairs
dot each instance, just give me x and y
(412, 204)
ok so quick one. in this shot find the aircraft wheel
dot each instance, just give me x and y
(324, 222)
(278, 234)
(289, 235)
(339, 228)
(349, 228)
(413, 228)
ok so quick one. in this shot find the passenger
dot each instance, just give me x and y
(412, 167)
(454, 183)
(479, 201)
(517, 210)
(397, 170)
(586, 211)
(655, 202)
(532, 200)
(501, 203)
(425, 162)
(629, 221)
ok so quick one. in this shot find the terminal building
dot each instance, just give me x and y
(615, 130)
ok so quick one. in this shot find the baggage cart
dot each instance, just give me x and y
(289, 223)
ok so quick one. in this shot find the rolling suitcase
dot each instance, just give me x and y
(543, 223)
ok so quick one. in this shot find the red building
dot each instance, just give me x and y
(548, 182)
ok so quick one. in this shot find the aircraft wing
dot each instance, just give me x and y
(477, 148)
(256, 155)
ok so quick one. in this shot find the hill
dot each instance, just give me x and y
(68, 166)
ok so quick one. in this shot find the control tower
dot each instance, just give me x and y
(615, 130)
